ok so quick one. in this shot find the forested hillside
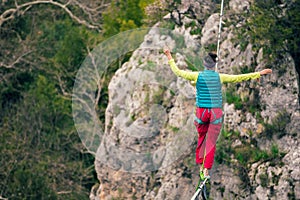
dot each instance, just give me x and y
(43, 44)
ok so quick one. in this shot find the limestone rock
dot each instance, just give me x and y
(210, 30)
(239, 6)
(134, 125)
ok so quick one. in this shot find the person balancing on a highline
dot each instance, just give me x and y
(208, 113)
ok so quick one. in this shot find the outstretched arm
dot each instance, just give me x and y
(225, 78)
(191, 76)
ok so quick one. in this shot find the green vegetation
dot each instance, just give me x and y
(233, 98)
(241, 157)
(211, 47)
(250, 154)
(280, 19)
(170, 25)
(124, 15)
(158, 95)
(278, 125)
(195, 29)
(174, 129)
(246, 153)
(150, 66)
(41, 155)
(274, 26)
(264, 180)
(42, 47)
(224, 149)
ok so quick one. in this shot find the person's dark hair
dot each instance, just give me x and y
(210, 60)
(213, 56)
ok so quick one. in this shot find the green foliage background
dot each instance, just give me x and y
(41, 155)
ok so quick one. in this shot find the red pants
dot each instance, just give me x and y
(208, 123)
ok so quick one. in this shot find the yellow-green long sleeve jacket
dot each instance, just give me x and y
(225, 78)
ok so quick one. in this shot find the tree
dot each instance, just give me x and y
(13, 9)
(21, 25)
(274, 26)
(124, 15)
(41, 157)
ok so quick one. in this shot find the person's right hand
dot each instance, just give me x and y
(168, 53)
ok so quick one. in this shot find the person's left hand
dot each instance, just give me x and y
(265, 71)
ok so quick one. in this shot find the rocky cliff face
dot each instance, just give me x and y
(149, 135)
